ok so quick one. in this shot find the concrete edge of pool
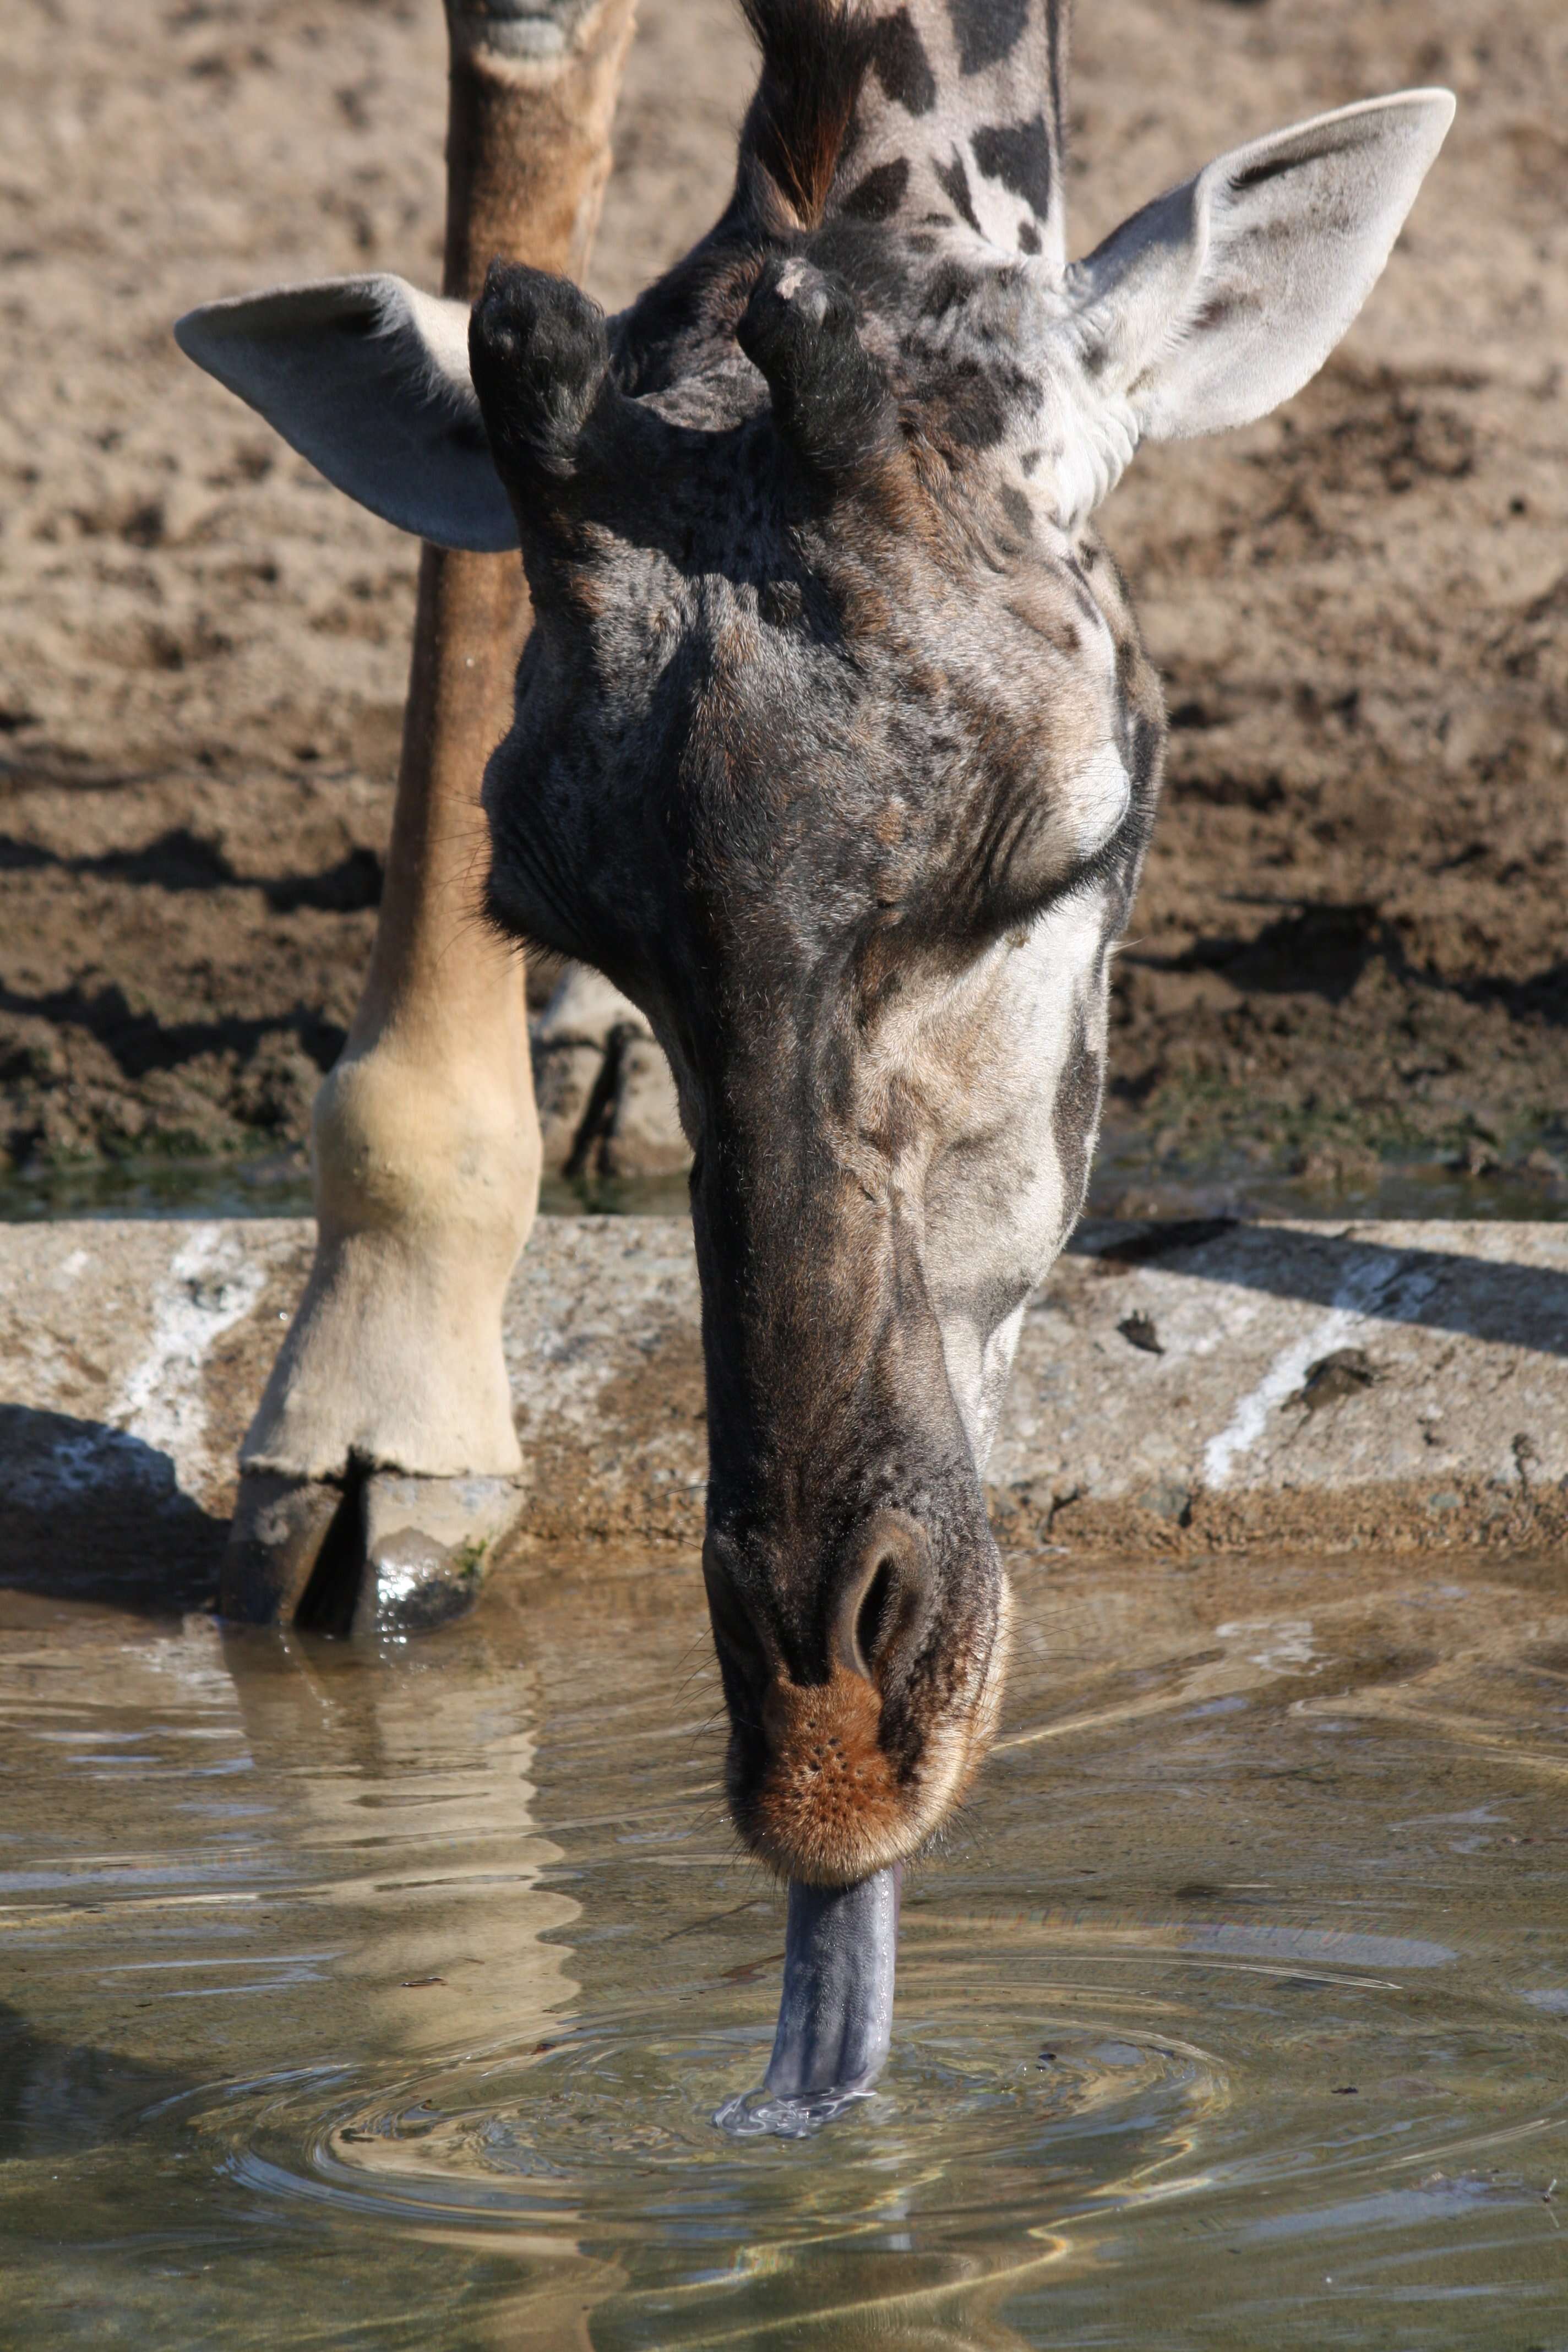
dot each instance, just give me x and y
(1185, 1387)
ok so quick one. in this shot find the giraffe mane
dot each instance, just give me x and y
(815, 54)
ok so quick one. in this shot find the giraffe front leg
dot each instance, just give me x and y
(383, 1464)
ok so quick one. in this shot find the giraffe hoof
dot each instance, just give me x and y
(606, 1101)
(277, 1538)
(379, 1553)
(427, 1542)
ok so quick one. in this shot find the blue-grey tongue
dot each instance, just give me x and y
(836, 2017)
(837, 2013)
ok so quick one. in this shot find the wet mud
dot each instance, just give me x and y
(1349, 946)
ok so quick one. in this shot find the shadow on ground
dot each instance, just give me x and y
(92, 1513)
(1503, 1302)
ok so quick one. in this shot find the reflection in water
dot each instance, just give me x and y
(387, 2000)
(405, 1816)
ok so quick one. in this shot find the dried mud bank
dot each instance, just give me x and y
(1350, 939)
(1180, 1390)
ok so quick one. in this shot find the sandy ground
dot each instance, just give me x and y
(1350, 941)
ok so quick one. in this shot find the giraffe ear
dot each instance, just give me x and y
(1219, 301)
(369, 379)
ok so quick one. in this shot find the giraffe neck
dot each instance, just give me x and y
(960, 120)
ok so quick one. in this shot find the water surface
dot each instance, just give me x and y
(1129, 1180)
(386, 2001)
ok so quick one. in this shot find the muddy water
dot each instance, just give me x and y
(387, 2001)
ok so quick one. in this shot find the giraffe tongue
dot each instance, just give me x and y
(837, 2013)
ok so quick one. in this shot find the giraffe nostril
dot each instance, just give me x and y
(884, 1598)
(870, 1623)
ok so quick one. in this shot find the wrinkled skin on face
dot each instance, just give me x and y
(838, 752)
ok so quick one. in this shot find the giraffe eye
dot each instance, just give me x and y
(1096, 800)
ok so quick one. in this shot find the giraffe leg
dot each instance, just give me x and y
(607, 1104)
(383, 1464)
(383, 1460)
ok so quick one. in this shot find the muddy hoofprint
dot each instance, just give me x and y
(836, 748)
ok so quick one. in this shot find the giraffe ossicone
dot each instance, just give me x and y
(835, 750)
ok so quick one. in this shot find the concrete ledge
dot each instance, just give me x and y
(1195, 1386)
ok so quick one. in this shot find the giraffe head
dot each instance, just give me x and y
(836, 748)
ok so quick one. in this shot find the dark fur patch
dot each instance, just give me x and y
(965, 408)
(815, 54)
(987, 30)
(954, 182)
(1019, 156)
(1028, 237)
(1146, 742)
(880, 194)
(1058, 15)
(902, 65)
(1083, 595)
(950, 284)
(1222, 310)
(1271, 167)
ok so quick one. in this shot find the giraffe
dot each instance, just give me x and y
(835, 749)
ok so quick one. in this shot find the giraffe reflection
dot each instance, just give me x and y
(404, 1791)
(400, 1796)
